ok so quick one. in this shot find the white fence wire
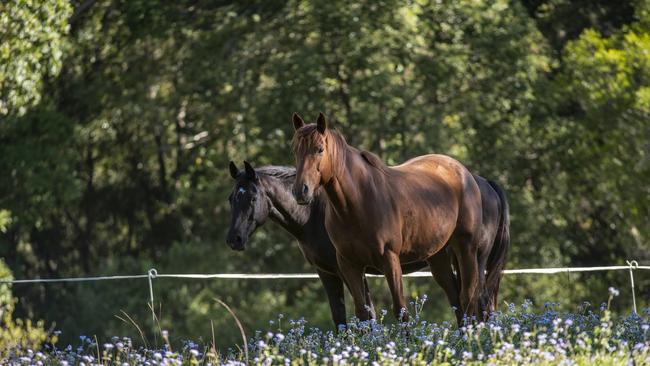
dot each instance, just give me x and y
(153, 274)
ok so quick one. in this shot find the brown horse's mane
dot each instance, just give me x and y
(308, 134)
(303, 135)
(375, 161)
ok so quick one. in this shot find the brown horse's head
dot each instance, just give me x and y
(313, 161)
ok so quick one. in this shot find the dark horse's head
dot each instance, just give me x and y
(311, 145)
(248, 206)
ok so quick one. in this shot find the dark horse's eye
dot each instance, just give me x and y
(320, 149)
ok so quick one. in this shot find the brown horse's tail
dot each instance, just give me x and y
(498, 255)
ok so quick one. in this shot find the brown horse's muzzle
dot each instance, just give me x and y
(302, 194)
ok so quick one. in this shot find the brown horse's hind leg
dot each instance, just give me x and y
(393, 273)
(440, 265)
(466, 253)
(354, 278)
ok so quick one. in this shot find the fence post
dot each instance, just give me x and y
(151, 274)
(633, 265)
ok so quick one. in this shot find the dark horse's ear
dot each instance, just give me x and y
(321, 125)
(297, 121)
(250, 172)
(234, 171)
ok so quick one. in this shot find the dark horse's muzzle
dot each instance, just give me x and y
(235, 241)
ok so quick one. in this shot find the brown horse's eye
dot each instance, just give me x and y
(320, 149)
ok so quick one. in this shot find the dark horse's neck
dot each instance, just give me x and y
(284, 210)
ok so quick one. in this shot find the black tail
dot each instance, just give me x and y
(498, 255)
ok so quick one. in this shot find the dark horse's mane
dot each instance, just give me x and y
(285, 173)
(286, 176)
(309, 133)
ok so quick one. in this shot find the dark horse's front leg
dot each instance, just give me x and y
(333, 285)
(355, 280)
(440, 265)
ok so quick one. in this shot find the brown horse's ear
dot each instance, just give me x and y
(234, 171)
(297, 121)
(321, 125)
(250, 172)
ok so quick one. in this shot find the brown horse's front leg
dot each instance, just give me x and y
(369, 302)
(393, 273)
(354, 278)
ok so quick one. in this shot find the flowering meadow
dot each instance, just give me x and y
(515, 336)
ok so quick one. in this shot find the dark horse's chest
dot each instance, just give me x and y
(316, 245)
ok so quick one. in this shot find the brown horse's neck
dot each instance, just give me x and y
(345, 178)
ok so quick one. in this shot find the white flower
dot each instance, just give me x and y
(515, 328)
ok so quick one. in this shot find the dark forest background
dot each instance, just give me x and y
(118, 119)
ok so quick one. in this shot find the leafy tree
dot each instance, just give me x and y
(32, 43)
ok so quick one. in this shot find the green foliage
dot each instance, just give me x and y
(5, 288)
(17, 333)
(22, 334)
(5, 220)
(32, 43)
(120, 119)
(607, 81)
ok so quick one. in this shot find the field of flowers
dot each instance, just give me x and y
(515, 336)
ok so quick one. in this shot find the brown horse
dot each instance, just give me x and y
(380, 216)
